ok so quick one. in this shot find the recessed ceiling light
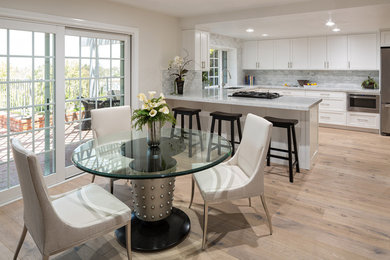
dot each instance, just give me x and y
(250, 30)
(336, 29)
(330, 23)
(264, 34)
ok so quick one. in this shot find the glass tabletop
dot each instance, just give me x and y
(127, 155)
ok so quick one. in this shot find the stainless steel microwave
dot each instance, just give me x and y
(363, 103)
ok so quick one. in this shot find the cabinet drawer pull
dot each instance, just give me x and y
(324, 94)
(325, 104)
(325, 117)
(362, 120)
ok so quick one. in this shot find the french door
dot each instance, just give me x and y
(94, 78)
(50, 79)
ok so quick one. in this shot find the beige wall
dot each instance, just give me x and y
(159, 35)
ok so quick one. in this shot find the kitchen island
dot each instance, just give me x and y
(303, 109)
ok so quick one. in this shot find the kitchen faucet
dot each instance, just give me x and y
(230, 76)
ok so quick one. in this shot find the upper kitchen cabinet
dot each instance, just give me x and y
(362, 52)
(197, 44)
(282, 56)
(317, 53)
(337, 52)
(265, 54)
(249, 55)
(299, 53)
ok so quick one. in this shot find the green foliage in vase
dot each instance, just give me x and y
(153, 109)
(370, 83)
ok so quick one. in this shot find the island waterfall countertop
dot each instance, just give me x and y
(223, 96)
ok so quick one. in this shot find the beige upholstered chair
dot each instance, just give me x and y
(240, 177)
(60, 222)
(107, 121)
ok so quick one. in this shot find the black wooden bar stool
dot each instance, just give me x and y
(289, 124)
(184, 111)
(223, 116)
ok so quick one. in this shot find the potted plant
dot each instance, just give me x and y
(154, 113)
(177, 68)
(370, 83)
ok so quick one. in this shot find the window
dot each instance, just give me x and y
(94, 78)
(27, 101)
(218, 67)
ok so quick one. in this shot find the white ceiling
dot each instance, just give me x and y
(352, 20)
(186, 8)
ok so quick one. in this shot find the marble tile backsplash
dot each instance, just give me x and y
(192, 83)
(326, 77)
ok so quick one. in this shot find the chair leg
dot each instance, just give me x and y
(128, 240)
(192, 191)
(211, 139)
(219, 135)
(200, 133)
(205, 221)
(21, 240)
(290, 165)
(239, 129)
(190, 137)
(45, 257)
(267, 213)
(269, 154)
(295, 148)
(111, 186)
(93, 178)
(232, 136)
(250, 202)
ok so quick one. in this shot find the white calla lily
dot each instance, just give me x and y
(152, 113)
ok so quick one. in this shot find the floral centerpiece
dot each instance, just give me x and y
(153, 113)
(177, 68)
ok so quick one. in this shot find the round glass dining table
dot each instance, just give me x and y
(155, 223)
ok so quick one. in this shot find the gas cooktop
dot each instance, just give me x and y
(255, 94)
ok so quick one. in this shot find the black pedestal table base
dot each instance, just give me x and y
(158, 235)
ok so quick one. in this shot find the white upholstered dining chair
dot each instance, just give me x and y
(105, 121)
(240, 177)
(57, 223)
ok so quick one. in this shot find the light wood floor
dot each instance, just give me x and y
(339, 210)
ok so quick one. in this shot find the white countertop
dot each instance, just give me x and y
(348, 88)
(221, 97)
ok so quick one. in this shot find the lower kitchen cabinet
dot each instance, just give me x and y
(363, 120)
(333, 117)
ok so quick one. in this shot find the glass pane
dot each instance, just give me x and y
(103, 48)
(104, 68)
(87, 89)
(72, 111)
(43, 68)
(72, 89)
(72, 69)
(104, 87)
(116, 68)
(116, 86)
(3, 41)
(88, 68)
(20, 68)
(43, 140)
(43, 92)
(20, 42)
(20, 94)
(3, 69)
(3, 172)
(117, 49)
(72, 46)
(20, 120)
(88, 47)
(3, 150)
(3, 96)
(43, 116)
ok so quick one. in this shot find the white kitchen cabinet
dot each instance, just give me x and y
(249, 55)
(282, 54)
(362, 52)
(337, 52)
(385, 39)
(363, 120)
(317, 53)
(196, 43)
(332, 117)
(265, 54)
(299, 53)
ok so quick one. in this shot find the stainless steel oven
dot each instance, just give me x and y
(363, 103)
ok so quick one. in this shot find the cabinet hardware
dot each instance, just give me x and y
(325, 117)
(325, 104)
(349, 64)
(362, 120)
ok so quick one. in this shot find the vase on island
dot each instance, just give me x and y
(179, 86)
(154, 133)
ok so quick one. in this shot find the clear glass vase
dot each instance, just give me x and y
(154, 133)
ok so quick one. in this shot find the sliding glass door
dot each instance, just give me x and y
(27, 98)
